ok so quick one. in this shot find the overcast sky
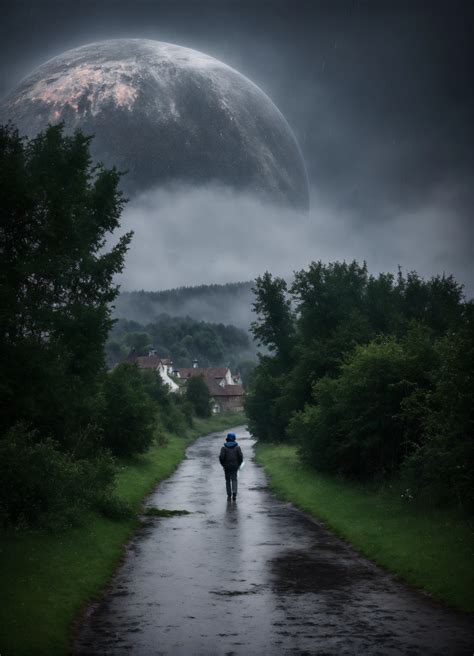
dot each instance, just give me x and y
(379, 95)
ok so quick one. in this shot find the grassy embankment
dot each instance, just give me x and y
(430, 550)
(46, 579)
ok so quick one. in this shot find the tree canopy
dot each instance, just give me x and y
(369, 375)
(56, 276)
(183, 339)
(197, 393)
(56, 285)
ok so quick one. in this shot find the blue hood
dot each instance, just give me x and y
(230, 445)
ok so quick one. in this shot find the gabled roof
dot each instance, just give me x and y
(217, 391)
(231, 390)
(150, 361)
(207, 372)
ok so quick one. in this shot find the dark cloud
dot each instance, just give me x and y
(379, 94)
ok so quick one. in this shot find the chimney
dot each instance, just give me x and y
(151, 352)
(195, 364)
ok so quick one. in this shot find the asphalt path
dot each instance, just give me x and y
(255, 576)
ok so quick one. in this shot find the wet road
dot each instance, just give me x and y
(255, 577)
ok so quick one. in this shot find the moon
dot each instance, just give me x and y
(166, 114)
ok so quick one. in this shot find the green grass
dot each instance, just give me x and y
(430, 550)
(47, 579)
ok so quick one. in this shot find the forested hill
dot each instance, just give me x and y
(227, 304)
(183, 339)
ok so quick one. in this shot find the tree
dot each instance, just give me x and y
(128, 412)
(327, 296)
(354, 426)
(197, 393)
(184, 339)
(440, 466)
(114, 353)
(139, 342)
(56, 278)
(265, 403)
(273, 327)
(57, 211)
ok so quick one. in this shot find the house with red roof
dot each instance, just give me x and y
(153, 362)
(226, 390)
(225, 393)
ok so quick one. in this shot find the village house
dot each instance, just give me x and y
(226, 390)
(226, 393)
(164, 367)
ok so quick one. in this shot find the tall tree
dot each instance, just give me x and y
(197, 393)
(274, 325)
(56, 277)
(129, 413)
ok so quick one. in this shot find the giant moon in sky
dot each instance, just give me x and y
(166, 114)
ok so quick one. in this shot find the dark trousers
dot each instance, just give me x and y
(231, 481)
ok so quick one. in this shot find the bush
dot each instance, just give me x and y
(173, 412)
(43, 487)
(440, 468)
(356, 428)
(178, 414)
(128, 417)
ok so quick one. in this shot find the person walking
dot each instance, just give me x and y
(231, 457)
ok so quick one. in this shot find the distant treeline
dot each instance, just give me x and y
(372, 376)
(227, 304)
(184, 340)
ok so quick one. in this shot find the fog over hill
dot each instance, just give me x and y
(227, 304)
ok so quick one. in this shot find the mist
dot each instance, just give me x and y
(187, 236)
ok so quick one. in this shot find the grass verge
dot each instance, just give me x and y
(430, 550)
(47, 579)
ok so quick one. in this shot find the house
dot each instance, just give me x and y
(230, 397)
(164, 366)
(225, 389)
(225, 393)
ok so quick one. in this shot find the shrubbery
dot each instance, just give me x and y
(440, 467)
(44, 487)
(355, 426)
(371, 376)
(137, 407)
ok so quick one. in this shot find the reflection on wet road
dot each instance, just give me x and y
(255, 577)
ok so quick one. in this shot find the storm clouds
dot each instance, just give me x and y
(189, 236)
(379, 95)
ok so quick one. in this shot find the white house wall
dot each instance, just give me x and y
(163, 371)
